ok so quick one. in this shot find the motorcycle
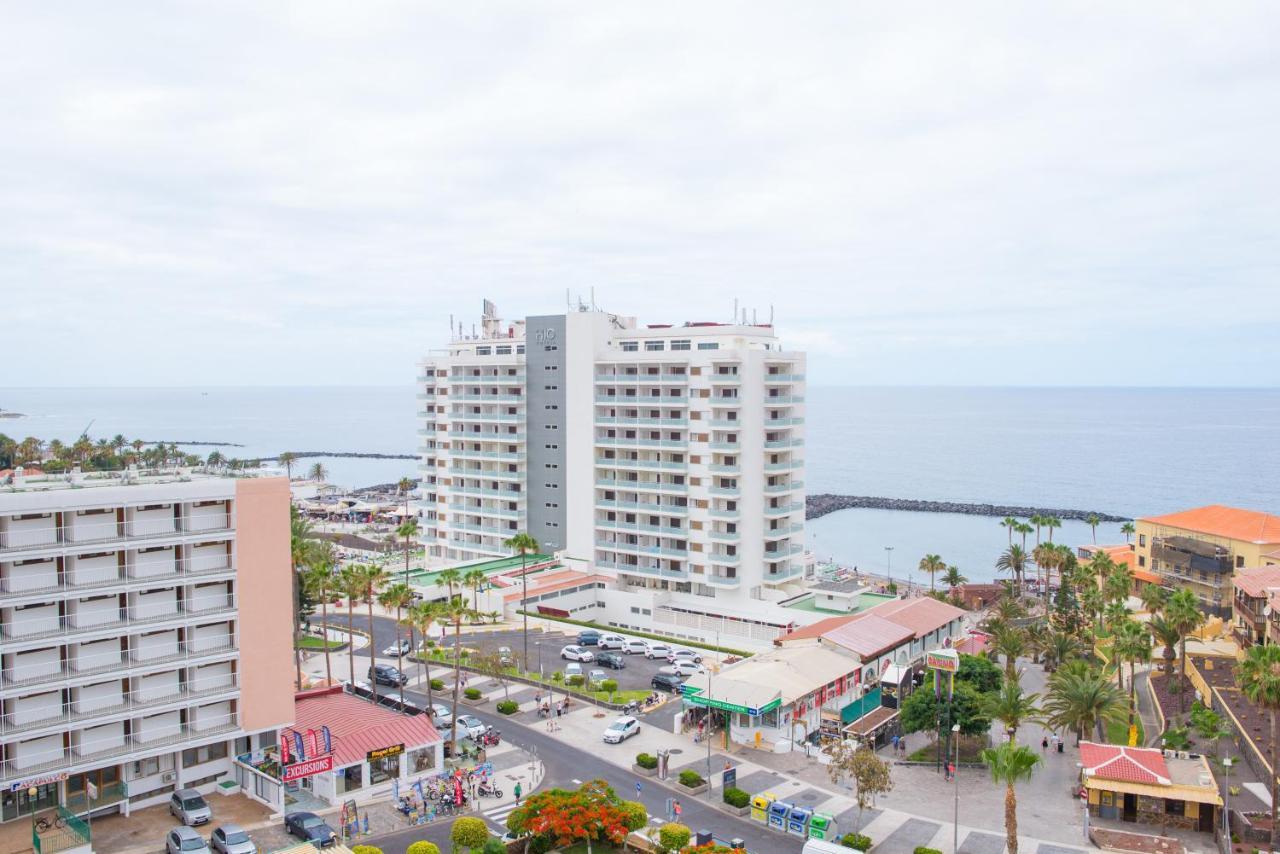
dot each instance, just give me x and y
(490, 737)
(632, 708)
(488, 790)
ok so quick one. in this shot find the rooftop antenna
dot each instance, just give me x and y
(735, 309)
(451, 324)
(568, 303)
(593, 297)
(771, 314)
(753, 318)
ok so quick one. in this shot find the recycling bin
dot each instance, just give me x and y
(822, 826)
(798, 821)
(760, 806)
(779, 812)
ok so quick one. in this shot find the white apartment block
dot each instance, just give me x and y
(125, 599)
(670, 455)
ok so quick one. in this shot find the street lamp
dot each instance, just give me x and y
(31, 799)
(955, 823)
(888, 551)
(1226, 789)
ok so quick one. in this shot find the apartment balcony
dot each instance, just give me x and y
(643, 443)
(721, 513)
(641, 485)
(101, 620)
(726, 423)
(425, 395)
(485, 418)
(504, 379)
(778, 488)
(652, 571)
(642, 422)
(718, 378)
(636, 527)
(73, 672)
(784, 573)
(624, 463)
(487, 511)
(127, 706)
(771, 379)
(51, 585)
(783, 399)
(641, 401)
(784, 509)
(725, 536)
(724, 446)
(775, 444)
(782, 531)
(772, 423)
(636, 548)
(786, 466)
(724, 490)
(721, 468)
(484, 474)
(784, 552)
(466, 454)
(488, 398)
(724, 580)
(723, 559)
(493, 530)
(641, 379)
(18, 544)
(643, 507)
(488, 436)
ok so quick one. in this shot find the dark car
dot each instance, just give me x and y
(610, 659)
(667, 682)
(588, 637)
(310, 827)
(385, 674)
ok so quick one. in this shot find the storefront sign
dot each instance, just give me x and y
(37, 781)
(310, 767)
(946, 660)
(385, 752)
(693, 697)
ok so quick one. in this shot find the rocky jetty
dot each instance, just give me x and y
(821, 505)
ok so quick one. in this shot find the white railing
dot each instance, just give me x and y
(176, 568)
(95, 533)
(55, 626)
(89, 666)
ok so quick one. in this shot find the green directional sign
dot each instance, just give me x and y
(692, 695)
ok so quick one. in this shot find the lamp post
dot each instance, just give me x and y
(888, 551)
(955, 823)
(1226, 791)
(710, 670)
(31, 799)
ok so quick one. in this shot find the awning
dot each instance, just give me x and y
(1173, 792)
(894, 674)
(870, 723)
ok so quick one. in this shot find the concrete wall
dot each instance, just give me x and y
(545, 435)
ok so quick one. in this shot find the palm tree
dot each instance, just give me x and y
(408, 530)
(317, 472)
(1051, 522)
(1258, 678)
(524, 544)
(1058, 649)
(1010, 524)
(447, 578)
(300, 546)
(932, 564)
(1131, 643)
(1081, 699)
(422, 617)
(1101, 564)
(1092, 602)
(1116, 612)
(398, 596)
(1037, 520)
(475, 579)
(1013, 561)
(1165, 632)
(215, 460)
(372, 579)
(319, 582)
(1153, 598)
(1024, 529)
(1093, 522)
(953, 578)
(1011, 642)
(1046, 557)
(287, 459)
(453, 613)
(1011, 707)
(1010, 764)
(1183, 610)
(1119, 583)
(1128, 530)
(351, 584)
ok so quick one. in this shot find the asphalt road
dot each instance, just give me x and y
(565, 764)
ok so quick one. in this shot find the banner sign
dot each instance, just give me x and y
(299, 770)
(312, 743)
(37, 781)
(692, 696)
(384, 752)
(946, 660)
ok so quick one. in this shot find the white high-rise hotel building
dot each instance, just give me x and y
(672, 455)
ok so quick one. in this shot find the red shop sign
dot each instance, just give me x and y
(309, 768)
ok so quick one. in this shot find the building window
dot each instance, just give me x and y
(1239, 561)
(1172, 807)
(680, 345)
(351, 778)
(519, 348)
(384, 769)
(708, 345)
(503, 351)
(483, 351)
(201, 755)
(423, 759)
(655, 346)
(1142, 539)
(630, 346)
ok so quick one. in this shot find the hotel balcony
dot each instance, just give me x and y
(494, 512)
(775, 444)
(723, 559)
(640, 485)
(487, 398)
(490, 379)
(643, 507)
(513, 438)
(19, 538)
(638, 528)
(724, 446)
(456, 418)
(727, 579)
(725, 536)
(783, 378)
(776, 423)
(618, 441)
(784, 508)
(22, 626)
(88, 662)
(642, 401)
(778, 488)
(625, 463)
(641, 379)
(36, 583)
(719, 378)
(637, 548)
(784, 466)
(651, 571)
(642, 422)
(466, 453)
(783, 399)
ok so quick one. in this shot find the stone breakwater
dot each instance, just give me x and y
(821, 505)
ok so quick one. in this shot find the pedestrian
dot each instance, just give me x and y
(1044, 743)
(537, 698)
(519, 791)
(677, 809)
(895, 742)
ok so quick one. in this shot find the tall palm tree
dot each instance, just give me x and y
(1058, 649)
(1101, 564)
(1024, 529)
(407, 531)
(300, 546)
(475, 579)
(1037, 520)
(1183, 610)
(398, 596)
(1010, 764)
(1131, 643)
(953, 578)
(1011, 642)
(1092, 602)
(351, 584)
(1153, 598)
(1093, 522)
(1081, 699)
(317, 472)
(287, 459)
(1166, 633)
(1046, 557)
(454, 613)
(1010, 524)
(932, 564)
(524, 544)
(422, 616)
(1014, 562)
(447, 578)
(1258, 677)
(1128, 530)
(1012, 707)
(320, 583)
(372, 579)
(1051, 522)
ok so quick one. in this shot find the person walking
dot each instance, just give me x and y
(677, 809)
(518, 791)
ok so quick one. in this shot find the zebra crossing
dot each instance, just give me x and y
(497, 816)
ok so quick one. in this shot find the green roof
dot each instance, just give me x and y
(424, 578)
(860, 603)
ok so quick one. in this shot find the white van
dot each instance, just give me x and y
(818, 846)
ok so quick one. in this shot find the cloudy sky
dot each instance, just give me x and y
(266, 193)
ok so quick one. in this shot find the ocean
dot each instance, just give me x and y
(1126, 451)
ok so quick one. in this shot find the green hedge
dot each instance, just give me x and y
(472, 693)
(508, 707)
(735, 797)
(856, 840)
(920, 849)
(665, 638)
(437, 684)
(690, 778)
(645, 760)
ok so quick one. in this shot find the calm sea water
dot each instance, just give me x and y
(1123, 451)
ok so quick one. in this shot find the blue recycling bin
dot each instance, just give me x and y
(779, 812)
(798, 821)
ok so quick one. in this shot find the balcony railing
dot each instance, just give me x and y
(89, 667)
(622, 462)
(783, 443)
(783, 399)
(771, 379)
(503, 379)
(68, 626)
(784, 508)
(655, 571)
(641, 379)
(126, 705)
(638, 401)
(648, 422)
(627, 485)
(488, 436)
(775, 488)
(648, 443)
(488, 398)
(643, 507)
(658, 530)
(504, 494)
(637, 548)
(97, 533)
(176, 569)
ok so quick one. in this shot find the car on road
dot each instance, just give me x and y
(621, 729)
(683, 668)
(232, 839)
(441, 715)
(654, 649)
(595, 677)
(184, 840)
(695, 657)
(396, 649)
(310, 827)
(611, 659)
(577, 653)
(573, 668)
(189, 807)
(588, 637)
(666, 682)
(611, 641)
(505, 657)
(471, 725)
(635, 646)
(386, 674)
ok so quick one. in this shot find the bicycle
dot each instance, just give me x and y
(43, 824)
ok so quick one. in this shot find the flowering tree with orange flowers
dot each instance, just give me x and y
(593, 813)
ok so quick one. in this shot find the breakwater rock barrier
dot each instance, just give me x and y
(822, 504)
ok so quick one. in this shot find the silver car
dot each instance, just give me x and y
(232, 839)
(184, 840)
(189, 807)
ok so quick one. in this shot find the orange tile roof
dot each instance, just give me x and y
(1252, 526)
(1254, 581)
(358, 726)
(869, 635)
(1129, 764)
(1145, 575)
(922, 614)
(818, 629)
(578, 578)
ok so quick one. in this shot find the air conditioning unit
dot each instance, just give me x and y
(168, 777)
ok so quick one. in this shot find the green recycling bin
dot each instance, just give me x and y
(822, 826)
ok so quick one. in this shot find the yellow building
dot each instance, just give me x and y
(1201, 549)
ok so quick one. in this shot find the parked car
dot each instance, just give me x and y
(666, 682)
(683, 668)
(611, 641)
(573, 668)
(189, 807)
(310, 827)
(505, 657)
(635, 646)
(471, 725)
(441, 715)
(588, 637)
(232, 839)
(401, 648)
(611, 659)
(184, 840)
(577, 653)
(695, 657)
(621, 729)
(654, 649)
(386, 674)
(595, 677)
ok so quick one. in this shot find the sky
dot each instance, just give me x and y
(920, 193)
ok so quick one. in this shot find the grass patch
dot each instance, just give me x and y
(313, 642)
(929, 753)
(1118, 732)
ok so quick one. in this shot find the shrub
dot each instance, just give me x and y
(437, 684)
(495, 846)
(690, 778)
(471, 832)
(735, 797)
(422, 846)
(472, 693)
(856, 840)
(609, 686)
(673, 837)
(557, 676)
(645, 760)
(576, 680)
(365, 849)
(920, 849)
(637, 816)
(508, 707)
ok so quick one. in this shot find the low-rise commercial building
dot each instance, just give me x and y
(1256, 605)
(1150, 786)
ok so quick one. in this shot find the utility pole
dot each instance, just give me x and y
(888, 551)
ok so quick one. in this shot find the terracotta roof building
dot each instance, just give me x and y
(1256, 589)
(1142, 784)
